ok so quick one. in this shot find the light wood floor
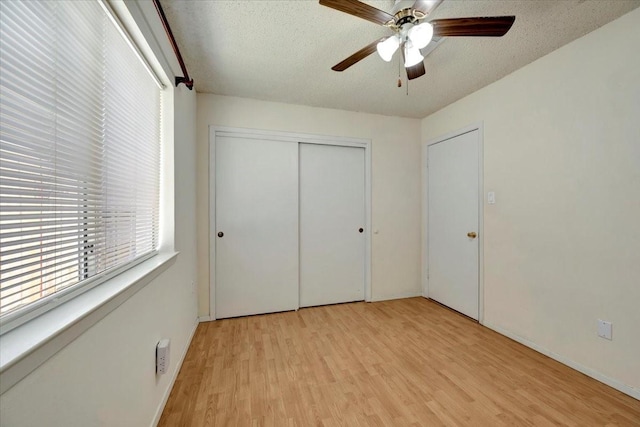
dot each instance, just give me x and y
(406, 362)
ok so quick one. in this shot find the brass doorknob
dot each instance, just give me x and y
(472, 234)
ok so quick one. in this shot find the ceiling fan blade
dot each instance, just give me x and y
(489, 26)
(358, 56)
(359, 9)
(416, 71)
(426, 6)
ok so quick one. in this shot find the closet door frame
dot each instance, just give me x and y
(294, 138)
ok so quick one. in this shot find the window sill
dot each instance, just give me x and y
(28, 346)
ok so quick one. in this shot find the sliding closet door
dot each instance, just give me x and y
(256, 236)
(332, 220)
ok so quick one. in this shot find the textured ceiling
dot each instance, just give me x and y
(284, 50)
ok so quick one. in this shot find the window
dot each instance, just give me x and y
(79, 152)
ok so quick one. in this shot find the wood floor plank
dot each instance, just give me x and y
(406, 362)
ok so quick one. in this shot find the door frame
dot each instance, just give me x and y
(297, 138)
(425, 210)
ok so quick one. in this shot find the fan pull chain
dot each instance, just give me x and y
(407, 85)
(399, 68)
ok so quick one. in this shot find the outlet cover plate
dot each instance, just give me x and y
(604, 329)
(162, 356)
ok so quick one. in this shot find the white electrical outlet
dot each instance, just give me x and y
(162, 356)
(604, 329)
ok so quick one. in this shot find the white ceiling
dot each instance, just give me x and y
(283, 51)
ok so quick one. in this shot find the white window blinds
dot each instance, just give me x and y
(79, 151)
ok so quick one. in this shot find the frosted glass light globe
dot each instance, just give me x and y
(388, 47)
(420, 35)
(412, 55)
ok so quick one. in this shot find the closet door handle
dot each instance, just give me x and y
(360, 229)
(220, 234)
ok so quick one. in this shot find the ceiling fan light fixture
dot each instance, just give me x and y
(388, 47)
(421, 34)
(412, 55)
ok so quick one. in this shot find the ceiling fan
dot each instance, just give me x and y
(411, 32)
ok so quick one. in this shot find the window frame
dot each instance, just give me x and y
(86, 279)
(28, 341)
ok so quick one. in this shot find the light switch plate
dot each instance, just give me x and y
(491, 197)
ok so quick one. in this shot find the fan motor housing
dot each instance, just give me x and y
(404, 16)
(407, 16)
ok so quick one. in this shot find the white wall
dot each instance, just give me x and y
(395, 180)
(562, 242)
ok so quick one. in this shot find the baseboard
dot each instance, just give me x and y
(626, 389)
(411, 294)
(174, 376)
(204, 319)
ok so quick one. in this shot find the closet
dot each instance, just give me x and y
(289, 223)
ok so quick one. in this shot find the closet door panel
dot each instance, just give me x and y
(256, 218)
(332, 220)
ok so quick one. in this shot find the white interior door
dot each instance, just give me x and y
(256, 236)
(453, 191)
(332, 220)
